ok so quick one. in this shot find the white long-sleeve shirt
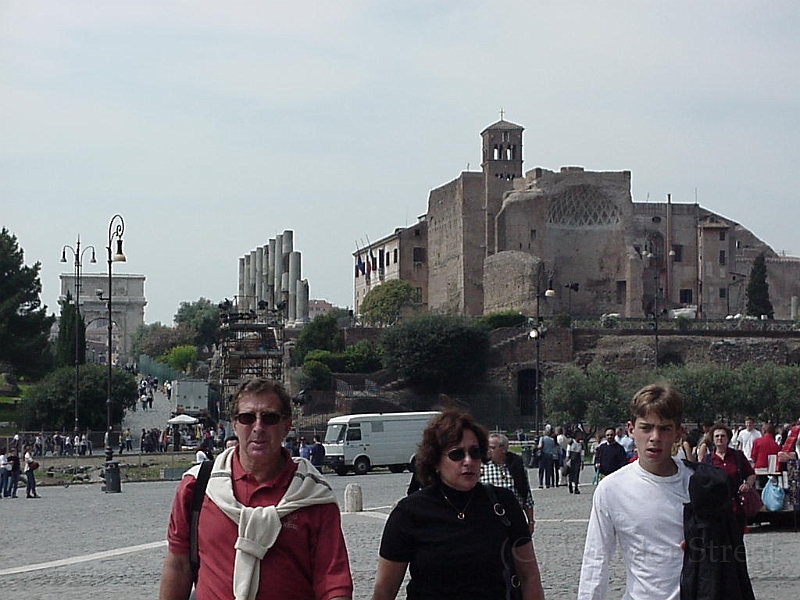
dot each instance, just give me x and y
(644, 512)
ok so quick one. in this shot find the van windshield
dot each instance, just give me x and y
(335, 434)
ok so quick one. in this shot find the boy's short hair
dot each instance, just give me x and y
(661, 399)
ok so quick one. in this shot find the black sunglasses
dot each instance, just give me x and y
(458, 454)
(267, 418)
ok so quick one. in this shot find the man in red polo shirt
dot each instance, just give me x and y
(270, 527)
(764, 446)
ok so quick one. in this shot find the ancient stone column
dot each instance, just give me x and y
(294, 276)
(244, 301)
(242, 275)
(259, 260)
(301, 312)
(251, 291)
(271, 275)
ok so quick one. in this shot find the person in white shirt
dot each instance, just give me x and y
(624, 440)
(746, 437)
(640, 506)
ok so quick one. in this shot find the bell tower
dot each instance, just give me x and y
(501, 164)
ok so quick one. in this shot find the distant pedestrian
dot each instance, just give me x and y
(13, 474)
(305, 449)
(30, 474)
(317, 453)
(611, 456)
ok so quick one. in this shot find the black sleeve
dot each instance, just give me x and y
(517, 470)
(396, 544)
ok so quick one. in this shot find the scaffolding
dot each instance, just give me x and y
(251, 345)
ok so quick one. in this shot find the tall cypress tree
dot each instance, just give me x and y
(65, 343)
(24, 323)
(758, 302)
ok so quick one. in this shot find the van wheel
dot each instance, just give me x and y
(341, 471)
(361, 466)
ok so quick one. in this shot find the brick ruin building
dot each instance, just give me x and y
(496, 239)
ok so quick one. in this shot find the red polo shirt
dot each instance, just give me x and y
(762, 448)
(309, 558)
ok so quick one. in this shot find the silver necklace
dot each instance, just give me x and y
(461, 514)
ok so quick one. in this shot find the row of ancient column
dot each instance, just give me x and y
(269, 277)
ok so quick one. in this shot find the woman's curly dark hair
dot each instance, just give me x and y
(445, 430)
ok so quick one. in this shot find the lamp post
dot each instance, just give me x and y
(78, 254)
(652, 256)
(116, 228)
(536, 334)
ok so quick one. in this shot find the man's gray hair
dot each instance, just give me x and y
(501, 439)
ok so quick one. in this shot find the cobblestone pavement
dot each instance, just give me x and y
(111, 545)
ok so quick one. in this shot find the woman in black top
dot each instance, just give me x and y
(448, 533)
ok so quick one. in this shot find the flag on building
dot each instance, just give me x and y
(360, 267)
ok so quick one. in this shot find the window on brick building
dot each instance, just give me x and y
(721, 236)
(678, 250)
(722, 257)
(685, 296)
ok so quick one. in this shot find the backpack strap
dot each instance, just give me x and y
(198, 495)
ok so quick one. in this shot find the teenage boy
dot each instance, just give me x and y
(641, 506)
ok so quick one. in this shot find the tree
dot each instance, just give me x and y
(317, 376)
(321, 334)
(437, 353)
(65, 343)
(202, 319)
(758, 302)
(180, 358)
(594, 397)
(156, 339)
(384, 304)
(50, 404)
(24, 324)
(362, 357)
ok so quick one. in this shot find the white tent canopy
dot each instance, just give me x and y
(182, 420)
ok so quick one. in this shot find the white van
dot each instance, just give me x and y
(360, 442)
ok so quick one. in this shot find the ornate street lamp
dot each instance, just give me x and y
(654, 325)
(536, 333)
(115, 230)
(78, 255)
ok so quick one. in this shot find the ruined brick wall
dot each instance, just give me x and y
(578, 223)
(455, 243)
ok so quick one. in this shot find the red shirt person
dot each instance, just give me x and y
(764, 446)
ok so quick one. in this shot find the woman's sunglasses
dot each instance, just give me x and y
(458, 454)
(267, 418)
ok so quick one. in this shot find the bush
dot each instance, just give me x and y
(318, 375)
(437, 353)
(683, 323)
(180, 358)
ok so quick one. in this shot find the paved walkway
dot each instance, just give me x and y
(147, 419)
(78, 543)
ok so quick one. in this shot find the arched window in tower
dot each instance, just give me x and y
(498, 152)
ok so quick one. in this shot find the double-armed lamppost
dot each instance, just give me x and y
(536, 333)
(115, 230)
(78, 254)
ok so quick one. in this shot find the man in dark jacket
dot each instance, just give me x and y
(506, 469)
(610, 455)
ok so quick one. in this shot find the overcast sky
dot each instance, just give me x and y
(213, 126)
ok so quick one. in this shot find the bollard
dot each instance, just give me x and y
(353, 500)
